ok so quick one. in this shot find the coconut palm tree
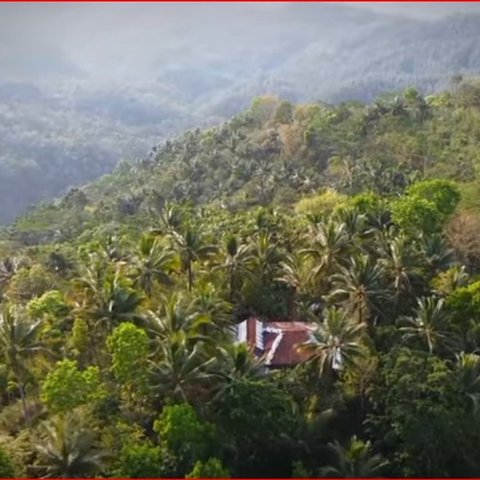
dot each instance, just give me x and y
(182, 370)
(354, 461)
(153, 263)
(9, 267)
(427, 324)
(329, 244)
(191, 247)
(295, 275)
(236, 258)
(18, 343)
(210, 309)
(448, 281)
(468, 367)
(266, 257)
(67, 449)
(401, 266)
(171, 217)
(356, 226)
(109, 297)
(360, 287)
(336, 342)
(435, 253)
(237, 361)
(175, 315)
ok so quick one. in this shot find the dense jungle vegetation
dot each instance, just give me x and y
(118, 301)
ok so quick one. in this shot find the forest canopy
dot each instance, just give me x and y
(120, 301)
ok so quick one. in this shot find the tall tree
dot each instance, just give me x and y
(19, 342)
(236, 258)
(153, 263)
(336, 342)
(191, 247)
(427, 324)
(360, 287)
(356, 460)
(67, 449)
(329, 245)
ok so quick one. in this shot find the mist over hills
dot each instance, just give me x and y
(85, 87)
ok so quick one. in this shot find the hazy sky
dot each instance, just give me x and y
(421, 9)
(128, 37)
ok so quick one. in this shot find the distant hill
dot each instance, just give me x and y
(275, 153)
(63, 124)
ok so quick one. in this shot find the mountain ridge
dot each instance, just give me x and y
(303, 53)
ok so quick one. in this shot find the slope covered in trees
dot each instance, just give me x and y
(275, 152)
(118, 303)
(67, 115)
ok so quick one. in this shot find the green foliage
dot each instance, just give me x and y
(322, 204)
(212, 468)
(424, 411)
(444, 194)
(300, 471)
(255, 413)
(66, 387)
(29, 283)
(66, 448)
(184, 434)
(357, 460)
(367, 203)
(414, 213)
(80, 339)
(143, 460)
(129, 347)
(7, 469)
(464, 302)
(138, 281)
(263, 108)
(51, 304)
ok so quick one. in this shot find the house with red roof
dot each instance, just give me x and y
(277, 342)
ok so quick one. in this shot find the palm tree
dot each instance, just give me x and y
(468, 367)
(235, 262)
(8, 267)
(175, 315)
(210, 308)
(18, 343)
(153, 263)
(171, 217)
(329, 245)
(67, 450)
(191, 247)
(427, 324)
(108, 295)
(237, 362)
(355, 461)
(448, 281)
(401, 266)
(359, 287)
(182, 370)
(295, 274)
(266, 257)
(355, 223)
(435, 253)
(336, 342)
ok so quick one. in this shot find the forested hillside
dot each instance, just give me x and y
(73, 102)
(119, 302)
(274, 153)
